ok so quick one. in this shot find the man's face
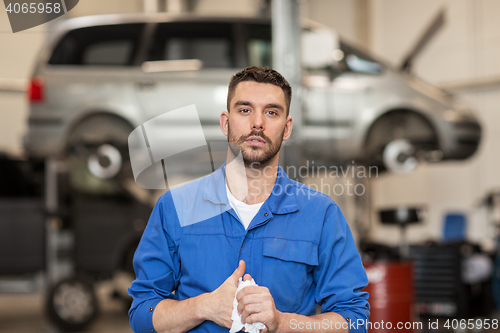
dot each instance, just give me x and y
(257, 122)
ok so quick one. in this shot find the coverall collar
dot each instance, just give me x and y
(283, 198)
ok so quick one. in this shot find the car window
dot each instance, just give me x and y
(259, 45)
(208, 42)
(356, 60)
(108, 53)
(107, 45)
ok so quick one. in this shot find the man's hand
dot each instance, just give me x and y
(219, 303)
(255, 304)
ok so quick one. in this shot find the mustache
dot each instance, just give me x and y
(244, 138)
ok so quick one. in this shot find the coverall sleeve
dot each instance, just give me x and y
(340, 275)
(157, 270)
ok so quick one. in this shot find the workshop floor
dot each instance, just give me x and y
(24, 313)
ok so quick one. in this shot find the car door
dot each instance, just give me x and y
(188, 63)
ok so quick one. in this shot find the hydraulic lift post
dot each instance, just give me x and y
(287, 61)
(59, 242)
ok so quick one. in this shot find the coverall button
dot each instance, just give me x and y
(265, 214)
(151, 309)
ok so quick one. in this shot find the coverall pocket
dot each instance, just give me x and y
(288, 266)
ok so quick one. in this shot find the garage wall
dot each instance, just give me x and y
(227, 7)
(17, 53)
(465, 50)
(336, 14)
(94, 7)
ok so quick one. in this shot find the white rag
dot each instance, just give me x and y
(237, 325)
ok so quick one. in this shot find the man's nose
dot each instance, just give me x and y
(258, 121)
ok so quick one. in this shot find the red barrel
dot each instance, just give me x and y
(391, 296)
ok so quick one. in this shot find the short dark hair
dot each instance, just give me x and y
(260, 75)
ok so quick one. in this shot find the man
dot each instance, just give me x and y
(293, 241)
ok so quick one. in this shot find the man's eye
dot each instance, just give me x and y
(244, 110)
(273, 113)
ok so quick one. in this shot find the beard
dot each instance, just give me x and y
(255, 156)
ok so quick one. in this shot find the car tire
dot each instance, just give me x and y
(98, 156)
(72, 304)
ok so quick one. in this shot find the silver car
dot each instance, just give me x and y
(99, 77)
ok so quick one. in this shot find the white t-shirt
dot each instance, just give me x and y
(245, 212)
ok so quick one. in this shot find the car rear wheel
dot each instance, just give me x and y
(106, 162)
(98, 155)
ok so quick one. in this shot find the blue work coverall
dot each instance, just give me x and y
(299, 246)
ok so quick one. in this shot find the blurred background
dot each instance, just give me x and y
(395, 118)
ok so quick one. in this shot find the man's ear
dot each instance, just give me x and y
(288, 128)
(224, 121)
